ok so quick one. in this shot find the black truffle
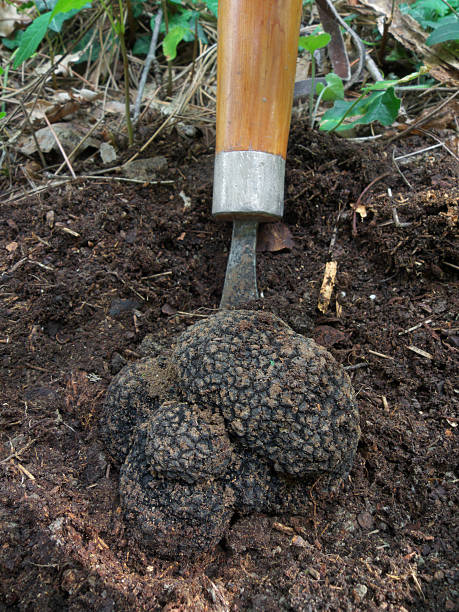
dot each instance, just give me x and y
(245, 417)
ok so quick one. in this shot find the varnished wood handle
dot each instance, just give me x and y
(257, 50)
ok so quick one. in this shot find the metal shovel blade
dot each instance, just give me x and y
(241, 274)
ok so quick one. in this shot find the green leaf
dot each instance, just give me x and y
(212, 5)
(445, 31)
(31, 38)
(382, 106)
(64, 6)
(314, 42)
(142, 45)
(57, 21)
(334, 90)
(427, 12)
(184, 19)
(36, 31)
(171, 41)
(2, 114)
(396, 82)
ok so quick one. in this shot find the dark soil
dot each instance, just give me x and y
(141, 266)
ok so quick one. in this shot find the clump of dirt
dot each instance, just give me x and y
(260, 415)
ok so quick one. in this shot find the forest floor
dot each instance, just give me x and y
(88, 269)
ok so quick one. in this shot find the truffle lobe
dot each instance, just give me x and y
(184, 442)
(172, 518)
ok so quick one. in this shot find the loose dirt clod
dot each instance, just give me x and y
(245, 417)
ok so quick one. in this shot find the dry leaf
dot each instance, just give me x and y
(115, 107)
(56, 109)
(168, 310)
(107, 153)
(9, 18)
(274, 237)
(361, 210)
(327, 286)
(145, 169)
(11, 247)
(328, 336)
(64, 66)
(69, 136)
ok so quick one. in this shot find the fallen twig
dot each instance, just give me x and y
(18, 452)
(397, 167)
(124, 179)
(422, 120)
(148, 60)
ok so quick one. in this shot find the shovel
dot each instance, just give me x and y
(257, 50)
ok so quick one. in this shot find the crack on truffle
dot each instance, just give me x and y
(244, 416)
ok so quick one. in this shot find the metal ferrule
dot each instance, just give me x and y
(248, 184)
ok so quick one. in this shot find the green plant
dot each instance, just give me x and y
(183, 24)
(311, 44)
(118, 27)
(51, 19)
(377, 102)
(446, 30)
(332, 91)
(438, 16)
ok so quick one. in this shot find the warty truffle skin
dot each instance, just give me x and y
(171, 517)
(245, 417)
(282, 396)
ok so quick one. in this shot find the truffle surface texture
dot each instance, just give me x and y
(244, 415)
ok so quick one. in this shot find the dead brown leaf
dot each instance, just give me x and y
(273, 237)
(328, 336)
(168, 309)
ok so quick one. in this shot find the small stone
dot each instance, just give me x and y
(449, 605)
(360, 591)
(314, 573)
(299, 541)
(56, 525)
(365, 520)
(349, 526)
(107, 153)
(145, 169)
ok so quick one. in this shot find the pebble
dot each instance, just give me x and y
(299, 541)
(360, 591)
(365, 520)
(145, 169)
(314, 573)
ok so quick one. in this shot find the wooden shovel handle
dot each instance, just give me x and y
(257, 50)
